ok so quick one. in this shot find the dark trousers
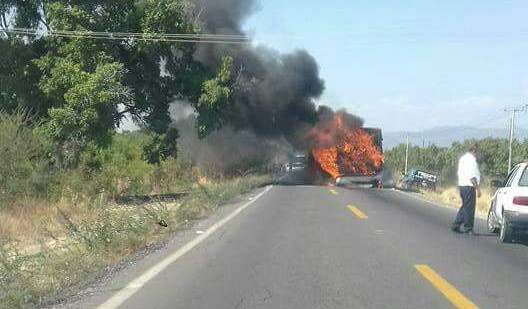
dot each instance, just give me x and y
(466, 213)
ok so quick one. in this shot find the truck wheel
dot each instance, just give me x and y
(492, 225)
(506, 231)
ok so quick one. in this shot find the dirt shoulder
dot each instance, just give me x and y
(91, 293)
(450, 197)
(81, 245)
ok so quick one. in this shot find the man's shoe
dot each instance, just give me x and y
(469, 232)
(456, 229)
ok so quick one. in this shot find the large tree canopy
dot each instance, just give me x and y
(82, 87)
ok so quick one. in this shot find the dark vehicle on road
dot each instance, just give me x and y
(416, 179)
(298, 162)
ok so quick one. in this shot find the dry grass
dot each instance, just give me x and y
(450, 196)
(24, 223)
(45, 248)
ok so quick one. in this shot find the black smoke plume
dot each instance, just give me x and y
(274, 94)
(225, 151)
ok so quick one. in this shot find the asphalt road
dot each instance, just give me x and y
(304, 247)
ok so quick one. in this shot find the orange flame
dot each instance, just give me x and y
(341, 150)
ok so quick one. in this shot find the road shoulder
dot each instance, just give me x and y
(421, 198)
(96, 291)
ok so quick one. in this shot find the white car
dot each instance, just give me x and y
(509, 206)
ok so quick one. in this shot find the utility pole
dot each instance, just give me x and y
(422, 151)
(407, 155)
(513, 112)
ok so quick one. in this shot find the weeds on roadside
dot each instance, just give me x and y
(67, 219)
(24, 164)
(14, 291)
(100, 235)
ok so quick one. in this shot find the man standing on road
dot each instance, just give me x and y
(469, 184)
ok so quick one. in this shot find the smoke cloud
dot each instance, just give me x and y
(274, 99)
(274, 93)
(225, 150)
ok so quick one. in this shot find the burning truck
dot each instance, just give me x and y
(346, 154)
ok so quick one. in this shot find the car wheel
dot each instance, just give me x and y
(506, 231)
(492, 225)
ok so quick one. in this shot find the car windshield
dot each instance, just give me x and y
(523, 181)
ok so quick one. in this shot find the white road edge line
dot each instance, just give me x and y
(131, 288)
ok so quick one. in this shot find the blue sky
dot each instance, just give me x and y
(409, 65)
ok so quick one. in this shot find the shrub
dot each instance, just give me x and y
(24, 163)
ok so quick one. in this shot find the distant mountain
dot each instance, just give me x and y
(444, 136)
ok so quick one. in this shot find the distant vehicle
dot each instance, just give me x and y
(297, 166)
(416, 179)
(298, 163)
(373, 179)
(508, 212)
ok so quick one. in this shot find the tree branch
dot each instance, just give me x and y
(43, 17)
(5, 25)
(239, 74)
(4, 21)
(45, 23)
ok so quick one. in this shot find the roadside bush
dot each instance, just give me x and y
(24, 163)
(26, 171)
(172, 176)
(116, 169)
(161, 146)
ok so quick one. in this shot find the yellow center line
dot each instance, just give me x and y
(444, 287)
(334, 192)
(357, 212)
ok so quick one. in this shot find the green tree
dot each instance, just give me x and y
(82, 87)
(162, 146)
(214, 100)
(492, 157)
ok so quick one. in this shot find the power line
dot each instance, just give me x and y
(407, 155)
(163, 37)
(370, 38)
(195, 38)
(132, 34)
(242, 39)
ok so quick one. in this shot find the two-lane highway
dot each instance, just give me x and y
(319, 247)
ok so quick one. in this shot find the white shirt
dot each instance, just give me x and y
(467, 170)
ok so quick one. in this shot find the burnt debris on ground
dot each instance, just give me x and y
(142, 199)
